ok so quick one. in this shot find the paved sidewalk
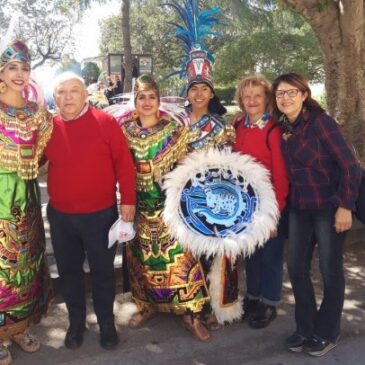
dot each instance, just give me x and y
(164, 341)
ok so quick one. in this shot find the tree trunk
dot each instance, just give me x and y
(340, 29)
(127, 46)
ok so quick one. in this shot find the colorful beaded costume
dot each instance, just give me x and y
(162, 274)
(24, 278)
(211, 131)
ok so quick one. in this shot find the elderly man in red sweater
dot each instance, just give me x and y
(88, 155)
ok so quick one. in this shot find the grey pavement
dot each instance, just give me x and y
(164, 341)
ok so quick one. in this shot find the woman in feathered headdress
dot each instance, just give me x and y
(210, 130)
(164, 277)
(25, 128)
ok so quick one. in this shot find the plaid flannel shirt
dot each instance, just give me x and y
(322, 168)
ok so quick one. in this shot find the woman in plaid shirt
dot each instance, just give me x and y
(324, 177)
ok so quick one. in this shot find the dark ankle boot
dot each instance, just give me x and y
(75, 336)
(108, 336)
(263, 316)
(249, 308)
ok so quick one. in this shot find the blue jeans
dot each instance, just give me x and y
(264, 272)
(307, 227)
(73, 237)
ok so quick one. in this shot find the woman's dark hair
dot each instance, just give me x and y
(300, 83)
(215, 106)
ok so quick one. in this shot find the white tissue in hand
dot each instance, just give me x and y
(121, 231)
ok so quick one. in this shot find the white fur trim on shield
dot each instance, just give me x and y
(263, 221)
(223, 313)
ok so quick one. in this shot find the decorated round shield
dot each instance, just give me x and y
(220, 202)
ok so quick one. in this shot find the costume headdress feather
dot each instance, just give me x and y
(8, 36)
(197, 25)
(12, 49)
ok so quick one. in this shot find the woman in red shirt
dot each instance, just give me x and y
(257, 136)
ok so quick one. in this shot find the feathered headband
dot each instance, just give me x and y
(197, 25)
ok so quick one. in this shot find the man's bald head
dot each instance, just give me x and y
(70, 95)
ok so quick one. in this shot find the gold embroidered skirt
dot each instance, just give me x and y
(161, 273)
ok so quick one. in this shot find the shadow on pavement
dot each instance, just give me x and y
(164, 341)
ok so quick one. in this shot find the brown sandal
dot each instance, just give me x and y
(5, 355)
(26, 341)
(140, 318)
(211, 322)
(196, 328)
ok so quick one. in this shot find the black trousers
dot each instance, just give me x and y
(73, 237)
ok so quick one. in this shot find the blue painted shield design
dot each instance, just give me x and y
(220, 202)
(216, 203)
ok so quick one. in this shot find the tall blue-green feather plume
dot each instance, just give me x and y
(197, 25)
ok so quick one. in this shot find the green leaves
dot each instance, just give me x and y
(150, 34)
(90, 72)
(285, 43)
(256, 36)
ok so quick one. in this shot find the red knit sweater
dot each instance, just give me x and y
(87, 157)
(252, 141)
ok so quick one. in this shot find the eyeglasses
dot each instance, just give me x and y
(292, 93)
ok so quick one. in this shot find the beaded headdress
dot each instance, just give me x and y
(145, 83)
(15, 51)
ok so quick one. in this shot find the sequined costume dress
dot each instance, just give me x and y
(24, 278)
(212, 131)
(162, 275)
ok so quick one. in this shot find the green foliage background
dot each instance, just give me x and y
(255, 36)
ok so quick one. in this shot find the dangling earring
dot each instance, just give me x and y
(3, 87)
(135, 115)
(158, 114)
